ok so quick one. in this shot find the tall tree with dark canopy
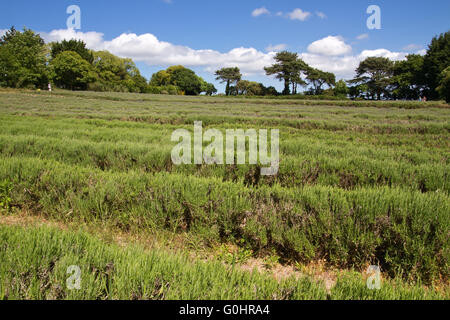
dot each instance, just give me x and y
(436, 60)
(319, 78)
(229, 76)
(298, 68)
(376, 73)
(408, 80)
(77, 46)
(283, 69)
(22, 59)
(208, 88)
(186, 80)
(444, 85)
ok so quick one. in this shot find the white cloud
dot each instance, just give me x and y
(330, 46)
(149, 49)
(383, 53)
(299, 14)
(279, 13)
(422, 52)
(330, 54)
(321, 15)
(342, 67)
(93, 40)
(260, 11)
(363, 36)
(276, 48)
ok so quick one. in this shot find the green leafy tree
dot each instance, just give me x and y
(186, 80)
(341, 88)
(255, 89)
(208, 88)
(270, 91)
(359, 91)
(444, 85)
(229, 76)
(299, 68)
(179, 79)
(242, 86)
(436, 60)
(376, 73)
(319, 78)
(160, 78)
(77, 46)
(250, 88)
(70, 71)
(354, 92)
(137, 83)
(110, 67)
(284, 69)
(116, 74)
(22, 59)
(173, 69)
(408, 79)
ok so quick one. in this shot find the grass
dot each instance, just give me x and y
(5, 193)
(35, 262)
(318, 158)
(404, 231)
(360, 182)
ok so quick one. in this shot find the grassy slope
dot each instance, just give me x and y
(35, 261)
(359, 182)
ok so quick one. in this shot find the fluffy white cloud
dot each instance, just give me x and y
(363, 36)
(422, 52)
(330, 46)
(276, 48)
(260, 11)
(330, 54)
(149, 49)
(342, 67)
(383, 53)
(93, 40)
(299, 14)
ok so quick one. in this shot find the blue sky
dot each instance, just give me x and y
(207, 34)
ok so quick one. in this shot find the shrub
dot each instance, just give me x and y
(5, 194)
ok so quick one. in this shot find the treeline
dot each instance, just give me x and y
(416, 77)
(376, 77)
(27, 62)
(289, 68)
